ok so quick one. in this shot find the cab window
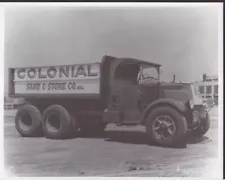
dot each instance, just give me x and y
(127, 72)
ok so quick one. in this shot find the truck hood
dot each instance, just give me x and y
(180, 91)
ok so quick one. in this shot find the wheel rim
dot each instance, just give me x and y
(164, 127)
(53, 122)
(25, 122)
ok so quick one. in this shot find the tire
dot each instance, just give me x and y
(57, 123)
(92, 129)
(179, 122)
(28, 121)
(202, 129)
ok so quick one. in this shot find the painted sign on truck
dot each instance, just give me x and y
(69, 79)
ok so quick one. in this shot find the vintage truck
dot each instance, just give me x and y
(62, 100)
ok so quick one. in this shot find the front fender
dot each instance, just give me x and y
(178, 105)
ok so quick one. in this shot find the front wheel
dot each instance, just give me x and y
(166, 126)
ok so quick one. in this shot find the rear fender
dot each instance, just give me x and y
(178, 105)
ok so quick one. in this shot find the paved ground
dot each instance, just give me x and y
(123, 151)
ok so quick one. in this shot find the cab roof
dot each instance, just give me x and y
(133, 60)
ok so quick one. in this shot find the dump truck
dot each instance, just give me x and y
(62, 101)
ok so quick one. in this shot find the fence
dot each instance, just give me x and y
(10, 109)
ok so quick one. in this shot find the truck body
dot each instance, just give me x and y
(116, 90)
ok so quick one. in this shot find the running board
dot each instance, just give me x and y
(118, 117)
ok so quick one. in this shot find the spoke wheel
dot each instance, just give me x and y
(164, 127)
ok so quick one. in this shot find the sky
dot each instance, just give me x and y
(184, 40)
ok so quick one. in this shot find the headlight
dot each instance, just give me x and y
(190, 104)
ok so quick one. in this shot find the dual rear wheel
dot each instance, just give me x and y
(55, 123)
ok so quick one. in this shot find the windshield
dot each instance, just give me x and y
(148, 74)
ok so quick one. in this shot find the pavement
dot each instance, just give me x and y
(123, 151)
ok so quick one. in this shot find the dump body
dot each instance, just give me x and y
(76, 80)
(80, 87)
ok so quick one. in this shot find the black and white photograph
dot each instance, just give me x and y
(112, 90)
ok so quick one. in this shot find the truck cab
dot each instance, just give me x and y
(127, 97)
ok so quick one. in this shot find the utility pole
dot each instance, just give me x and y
(204, 77)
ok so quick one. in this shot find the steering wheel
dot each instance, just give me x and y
(146, 76)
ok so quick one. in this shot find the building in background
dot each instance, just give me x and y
(208, 88)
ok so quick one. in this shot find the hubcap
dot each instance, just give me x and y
(164, 127)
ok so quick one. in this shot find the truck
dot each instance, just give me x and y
(62, 101)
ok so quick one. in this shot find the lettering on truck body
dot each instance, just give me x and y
(84, 78)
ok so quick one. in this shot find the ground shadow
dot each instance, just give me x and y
(200, 140)
(138, 137)
(131, 137)
(134, 137)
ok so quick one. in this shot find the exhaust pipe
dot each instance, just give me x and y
(174, 78)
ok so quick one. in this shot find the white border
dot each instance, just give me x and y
(121, 5)
(220, 73)
(2, 90)
(87, 5)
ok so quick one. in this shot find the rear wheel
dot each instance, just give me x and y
(57, 122)
(28, 121)
(165, 126)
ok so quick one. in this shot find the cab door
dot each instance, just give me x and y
(149, 85)
(125, 95)
(149, 93)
